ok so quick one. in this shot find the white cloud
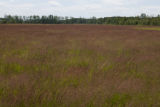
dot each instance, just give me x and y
(12, 0)
(113, 2)
(77, 8)
(54, 3)
(2, 3)
(121, 2)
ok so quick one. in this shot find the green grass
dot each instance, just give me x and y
(7, 68)
(118, 100)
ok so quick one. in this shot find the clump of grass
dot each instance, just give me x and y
(77, 58)
(8, 68)
(107, 68)
(77, 62)
(70, 82)
(118, 100)
(55, 31)
(90, 104)
(132, 70)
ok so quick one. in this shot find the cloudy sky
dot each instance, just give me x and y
(77, 8)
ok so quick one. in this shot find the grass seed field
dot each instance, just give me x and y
(79, 66)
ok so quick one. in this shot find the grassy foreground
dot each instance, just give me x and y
(79, 66)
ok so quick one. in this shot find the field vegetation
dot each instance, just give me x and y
(149, 28)
(79, 66)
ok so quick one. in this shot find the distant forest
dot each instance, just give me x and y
(143, 19)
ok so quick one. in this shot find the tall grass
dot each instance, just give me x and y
(81, 66)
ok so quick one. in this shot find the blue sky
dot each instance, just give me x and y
(77, 8)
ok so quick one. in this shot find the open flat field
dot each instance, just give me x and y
(79, 66)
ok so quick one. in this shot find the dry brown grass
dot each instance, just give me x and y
(79, 66)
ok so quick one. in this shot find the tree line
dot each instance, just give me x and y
(143, 19)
